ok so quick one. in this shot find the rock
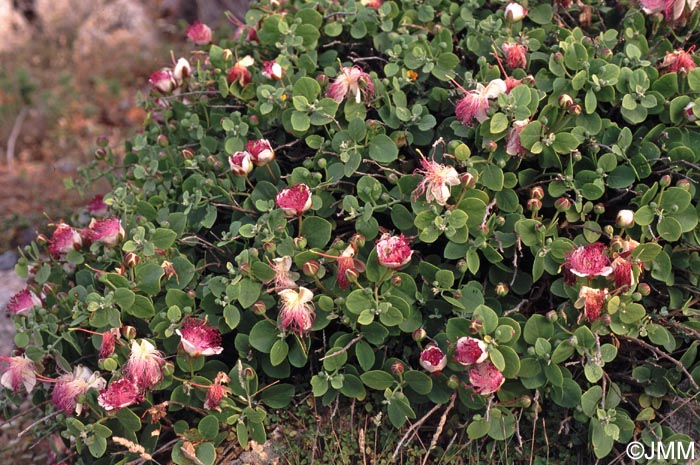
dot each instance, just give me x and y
(58, 17)
(113, 38)
(10, 284)
(8, 260)
(14, 27)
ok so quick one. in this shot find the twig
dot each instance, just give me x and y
(343, 350)
(412, 430)
(661, 354)
(12, 140)
(440, 426)
(48, 417)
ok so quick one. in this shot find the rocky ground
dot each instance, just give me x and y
(10, 283)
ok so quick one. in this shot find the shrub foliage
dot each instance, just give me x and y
(480, 207)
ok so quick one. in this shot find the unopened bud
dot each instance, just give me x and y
(625, 219)
(168, 269)
(358, 240)
(131, 259)
(644, 289)
(605, 319)
(484, 229)
(162, 140)
(300, 243)
(351, 275)
(121, 271)
(562, 204)
(534, 205)
(259, 308)
(49, 288)
(502, 289)
(468, 180)
(491, 146)
(108, 364)
(397, 368)
(665, 180)
(453, 382)
(419, 334)
(100, 154)
(599, 209)
(537, 192)
(565, 101)
(475, 326)
(396, 280)
(575, 109)
(558, 57)
(168, 369)
(311, 268)
(608, 230)
(244, 267)
(187, 154)
(462, 266)
(269, 247)
(392, 178)
(552, 315)
(500, 220)
(322, 79)
(129, 332)
(249, 373)
(683, 184)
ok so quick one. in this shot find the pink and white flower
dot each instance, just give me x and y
(592, 301)
(239, 71)
(23, 302)
(470, 351)
(182, 71)
(513, 146)
(198, 338)
(348, 265)
(475, 103)
(352, 81)
(432, 359)
(216, 392)
(108, 231)
(436, 182)
(678, 61)
(261, 152)
(199, 33)
(372, 3)
(297, 314)
(17, 372)
(284, 278)
(240, 163)
(515, 12)
(294, 200)
(485, 378)
(393, 251)
(672, 9)
(163, 80)
(623, 274)
(119, 394)
(97, 207)
(516, 55)
(109, 341)
(63, 240)
(272, 70)
(588, 261)
(71, 386)
(145, 365)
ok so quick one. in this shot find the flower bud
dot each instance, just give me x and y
(534, 205)
(162, 140)
(608, 230)
(562, 204)
(358, 240)
(227, 54)
(396, 280)
(644, 289)
(300, 243)
(397, 368)
(259, 308)
(187, 154)
(249, 373)
(491, 146)
(322, 79)
(575, 109)
(129, 332)
(269, 247)
(311, 268)
(100, 154)
(462, 266)
(475, 326)
(419, 334)
(565, 101)
(351, 275)
(468, 180)
(552, 316)
(168, 269)
(453, 382)
(131, 259)
(605, 319)
(625, 219)
(392, 178)
(108, 364)
(168, 369)
(537, 192)
(599, 209)
(665, 180)
(683, 184)
(502, 289)
(500, 220)
(558, 57)
(515, 12)
(636, 296)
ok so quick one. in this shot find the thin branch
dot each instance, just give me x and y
(343, 350)
(664, 355)
(12, 140)
(28, 428)
(413, 429)
(439, 428)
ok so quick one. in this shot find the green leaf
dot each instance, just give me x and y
(316, 231)
(365, 355)
(541, 14)
(537, 326)
(669, 228)
(382, 149)
(206, 453)
(232, 316)
(163, 238)
(208, 426)
(478, 429)
(377, 379)
(279, 351)
(148, 278)
(492, 177)
(97, 446)
(418, 381)
(248, 292)
(352, 387)
(128, 419)
(277, 396)
(142, 307)
(499, 123)
(488, 318)
(307, 87)
(263, 336)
